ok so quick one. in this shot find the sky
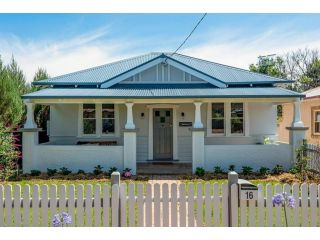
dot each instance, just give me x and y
(64, 43)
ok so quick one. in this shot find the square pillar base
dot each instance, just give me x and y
(30, 138)
(130, 150)
(197, 148)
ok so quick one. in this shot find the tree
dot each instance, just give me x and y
(11, 106)
(270, 66)
(16, 75)
(41, 112)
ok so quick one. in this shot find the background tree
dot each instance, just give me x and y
(11, 105)
(41, 112)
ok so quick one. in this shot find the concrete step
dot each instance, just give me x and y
(165, 168)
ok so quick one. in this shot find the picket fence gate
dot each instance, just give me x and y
(155, 205)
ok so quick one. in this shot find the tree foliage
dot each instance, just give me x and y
(11, 88)
(41, 112)
(302, 66)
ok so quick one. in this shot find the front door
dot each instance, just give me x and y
(162, 134)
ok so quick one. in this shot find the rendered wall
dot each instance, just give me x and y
(76, 157)
(255, 156)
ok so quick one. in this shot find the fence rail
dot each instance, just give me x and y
(156, 205)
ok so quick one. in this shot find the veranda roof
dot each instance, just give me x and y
(163, 91)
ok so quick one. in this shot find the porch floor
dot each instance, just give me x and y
(164, 168)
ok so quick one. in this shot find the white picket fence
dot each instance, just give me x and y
(155, 205)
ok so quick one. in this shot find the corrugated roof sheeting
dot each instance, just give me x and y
(168, 92)
(101, 74)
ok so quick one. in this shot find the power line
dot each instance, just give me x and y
(186, 39)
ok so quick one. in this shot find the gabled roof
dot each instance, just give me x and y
(218, 72)
(312, 93)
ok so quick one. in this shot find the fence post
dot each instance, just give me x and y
(115, 180)
(232, 179)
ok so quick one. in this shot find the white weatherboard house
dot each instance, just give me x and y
(160, 107)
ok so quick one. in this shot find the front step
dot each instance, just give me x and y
(164, 168)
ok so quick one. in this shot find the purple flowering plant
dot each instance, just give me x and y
(61, 220)
(285, 200)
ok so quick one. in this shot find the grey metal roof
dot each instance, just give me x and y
(101, 74)
(166, 91)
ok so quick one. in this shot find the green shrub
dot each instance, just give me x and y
(294, 170)
(200, 171)
(80, 171)
(301, 164)
(112, 169)
(65, 171)
(51, 172)
(232, 167)
(97, 170)
(278, 169)
(9, 153)
(35, 172)
(246, 170)
(264, 170)
(217, 170)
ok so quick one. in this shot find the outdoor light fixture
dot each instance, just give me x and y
(182, 114)
(142, 115)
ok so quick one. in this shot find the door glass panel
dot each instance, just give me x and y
(157, 113)
(168, 113)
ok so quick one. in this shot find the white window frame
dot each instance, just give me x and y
(98, 122)
(209, 129)
(227, 114)
(314, 121)
(243, 118)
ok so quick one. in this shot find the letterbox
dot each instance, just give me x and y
(247, 190)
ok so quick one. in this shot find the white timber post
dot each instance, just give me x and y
(130, 142)
(197, 139)
(297, 130)
(116, 198)
(233, 178)
(30, 138)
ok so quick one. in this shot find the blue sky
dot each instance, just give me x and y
(63, 43)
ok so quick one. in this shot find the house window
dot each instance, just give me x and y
(108, 119)
(217, 121)
(89, 119)
(317, 122)
(237, 120)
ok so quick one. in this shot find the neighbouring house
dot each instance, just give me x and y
(160, 107)
(310, 116)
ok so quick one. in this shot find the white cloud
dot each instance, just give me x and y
(233, 47)
(240, 51)
(60, 57)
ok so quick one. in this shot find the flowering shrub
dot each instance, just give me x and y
(285, 200)
(61, 220)
(127, 173)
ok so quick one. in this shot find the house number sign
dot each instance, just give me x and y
(248, 193)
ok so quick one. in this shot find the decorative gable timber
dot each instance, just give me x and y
(162, 73)
(189, 71)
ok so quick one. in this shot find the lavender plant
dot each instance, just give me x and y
(61, 220)
(285, 200)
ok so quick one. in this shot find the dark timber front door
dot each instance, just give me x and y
(162, 134)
